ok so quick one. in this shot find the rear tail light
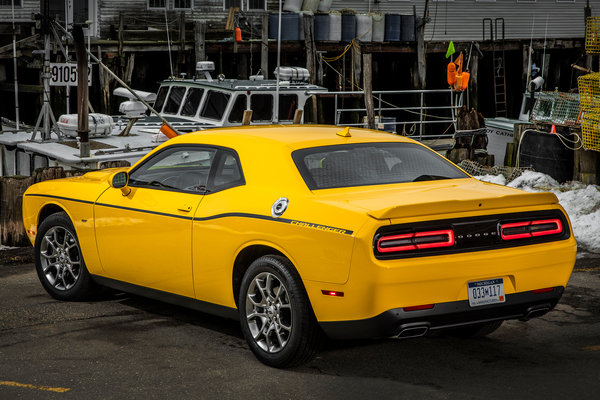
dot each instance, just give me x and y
(528, 229)
(416, 241)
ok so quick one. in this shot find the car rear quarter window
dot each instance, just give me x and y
(371, 164)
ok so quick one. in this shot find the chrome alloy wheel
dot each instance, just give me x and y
(269, 312)
(60, 258)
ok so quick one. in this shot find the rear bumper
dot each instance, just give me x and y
(392, 323)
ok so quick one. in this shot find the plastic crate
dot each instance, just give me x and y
(592, 35)
(590, 129)
(589, 91)
(557, 108)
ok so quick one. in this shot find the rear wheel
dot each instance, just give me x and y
(476, 330)
(275, 314)
(58, 260)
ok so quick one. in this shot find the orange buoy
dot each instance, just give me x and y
(238, 34)
(451, 74)
(168, 131)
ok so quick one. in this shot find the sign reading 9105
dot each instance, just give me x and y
(65, 74)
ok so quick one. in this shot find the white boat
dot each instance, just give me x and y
(187, 104)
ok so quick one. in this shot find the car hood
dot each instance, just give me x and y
(433, 197)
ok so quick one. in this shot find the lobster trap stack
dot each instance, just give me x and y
(589, 90)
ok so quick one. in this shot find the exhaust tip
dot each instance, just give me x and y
(536, 311)
(413, 330)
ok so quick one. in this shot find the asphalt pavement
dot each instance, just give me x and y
(126, 347)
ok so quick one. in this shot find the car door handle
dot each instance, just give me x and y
(185, 208)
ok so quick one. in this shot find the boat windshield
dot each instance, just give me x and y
(174, 100)
(215, 105)
(192, 101)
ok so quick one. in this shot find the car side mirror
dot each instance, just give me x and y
(120, 180)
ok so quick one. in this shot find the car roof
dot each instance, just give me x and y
(292, 136)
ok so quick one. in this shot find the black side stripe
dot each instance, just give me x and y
(217, 216)
(60, 198)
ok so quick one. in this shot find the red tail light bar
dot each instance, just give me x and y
(528, 229)
(415, 241)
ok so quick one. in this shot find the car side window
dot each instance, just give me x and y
(227, 171)
(182, 168)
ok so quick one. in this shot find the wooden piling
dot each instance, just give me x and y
(309, 43)
(264, 46)
(12, 231)
(368, 86)
(200, 40)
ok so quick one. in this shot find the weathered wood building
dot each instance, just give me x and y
(147, 40)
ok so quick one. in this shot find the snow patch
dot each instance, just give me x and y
(580, 201)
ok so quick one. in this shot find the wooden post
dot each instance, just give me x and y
(12, 231)
(368, 79)
(421, 66)
(120, 47)
(526, 72)
(82, 92)
(181, 53)
(309, 43)
(298, 117)
(586, 166)
(474, 86)
(200, 40)
(546, 64)
(356, 67)
(264, 47)
(247, 118)
(587, 12)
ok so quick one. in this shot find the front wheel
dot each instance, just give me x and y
(275, 314)
(58, 260)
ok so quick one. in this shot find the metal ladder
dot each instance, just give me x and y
(499, 63)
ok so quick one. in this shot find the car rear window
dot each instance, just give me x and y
(371, 164)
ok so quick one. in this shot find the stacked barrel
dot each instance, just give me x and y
(589, 90)
(341, 26)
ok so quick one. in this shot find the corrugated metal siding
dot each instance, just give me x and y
(22, 14)
(463, 19)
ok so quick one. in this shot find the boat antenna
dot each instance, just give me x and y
(15, 66)
(276, 108)
(168, 42)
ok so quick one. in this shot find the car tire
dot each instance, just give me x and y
(476, 330)
(275, 314)
(59, 262)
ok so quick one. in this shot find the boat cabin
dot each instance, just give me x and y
(193, 104)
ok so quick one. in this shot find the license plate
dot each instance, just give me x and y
(486, 292)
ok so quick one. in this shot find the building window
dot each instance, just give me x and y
(245, 4)
(182, 4)
(156, 4)
(9, 3)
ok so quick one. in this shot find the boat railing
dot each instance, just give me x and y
(424, 114)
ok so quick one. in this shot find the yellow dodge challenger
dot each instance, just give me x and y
(305, 231)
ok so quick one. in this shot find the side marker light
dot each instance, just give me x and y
(332, 293)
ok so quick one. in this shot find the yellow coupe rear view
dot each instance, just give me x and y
(305, 231)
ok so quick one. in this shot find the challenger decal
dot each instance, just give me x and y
(321, 227)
